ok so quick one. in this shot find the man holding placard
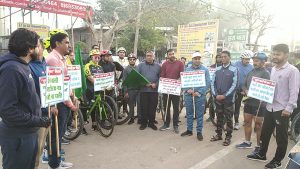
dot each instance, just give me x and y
(195, 98)
(254, 109)
(287, 80)
(171, 69)
(223, 87)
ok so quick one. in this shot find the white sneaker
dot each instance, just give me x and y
(59, 167)
(236, 126)
(66, 164)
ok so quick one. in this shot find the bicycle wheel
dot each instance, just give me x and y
(295, 128)
(113, 105)
(181, 103)
(72, 131)
(105, 119)
(122, 116)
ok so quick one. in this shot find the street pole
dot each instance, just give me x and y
(30, 9)
(10, 24)
(137, 28)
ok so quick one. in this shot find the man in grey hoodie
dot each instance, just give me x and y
(148, 93)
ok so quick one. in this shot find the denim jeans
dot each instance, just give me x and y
(199, 110)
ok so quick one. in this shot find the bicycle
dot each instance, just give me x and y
(75, 126)
(295, 128)
(121, 115)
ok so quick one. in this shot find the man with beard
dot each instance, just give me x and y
(20, 107)
(277, 115)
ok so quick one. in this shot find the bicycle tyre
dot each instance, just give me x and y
(295, 128)
(105, 119)
(113, 105)
(122, 117)
(80, 125)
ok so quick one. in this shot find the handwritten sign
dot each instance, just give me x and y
(75, 72)
(42, 82)
(192, 79)
(67, 80)
(212, 71)
(169, 86)
(103, 80)
(262, 89)
(54, 85)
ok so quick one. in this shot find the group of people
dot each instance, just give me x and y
(25, 125)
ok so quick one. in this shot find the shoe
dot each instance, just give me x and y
(199, 136)
(131, 121)
(176, 129)
(153, 126)
(236, 126)
(273, 164)
(66, 164)
(257, 157)
(65, 142)
(94, 127)
(45, 159)
(256, 150)
(143, 126)
(164, 127)
(244, 145)
(187, 133)
(62, 152)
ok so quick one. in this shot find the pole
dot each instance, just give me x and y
(56, 21)
(30, 9)
(194, 107)
(10, 24)
(167, 105)
(137, 28)
(76, 115)
(257, 111)
(57, 136)
(49, 135)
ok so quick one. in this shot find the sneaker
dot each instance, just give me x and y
(65, 142)
(176, 129)
(153, 126)
(66, 164)
(45, 159)
(236, 126)
(143, 127)
(199, 136)
(62, 152)
(244, 145)
(187, 133)
(256, 150)
(257, 157)
(273, 164)
(164, 127)
(131, 121)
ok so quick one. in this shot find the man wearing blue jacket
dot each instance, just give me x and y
(20, 107)
(199, 94)
(223, 87)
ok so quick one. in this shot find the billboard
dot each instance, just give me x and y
(198, 36)
(237, 39)
(42, 30)
(76, 8)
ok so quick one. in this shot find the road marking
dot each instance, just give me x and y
(215, 157)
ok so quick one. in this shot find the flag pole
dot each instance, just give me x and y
(57, 135)
(49, 134)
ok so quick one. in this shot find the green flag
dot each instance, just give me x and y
(78, 61)
(135, 80)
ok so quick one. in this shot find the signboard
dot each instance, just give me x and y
(212, 71)
(54, 85)
(262, 89)
(103, 80)
(41, 30)
(74, 8)
(237, 35)
(237, 39)
(42, 82)
(67, 80)
(169, 86)
(198, 36)
(192, 79)
(75, 72)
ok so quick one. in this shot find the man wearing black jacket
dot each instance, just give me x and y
(20, 107)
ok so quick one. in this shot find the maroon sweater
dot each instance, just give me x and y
(171, 70)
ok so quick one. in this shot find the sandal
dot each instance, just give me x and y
(216, 138)
(227, 142)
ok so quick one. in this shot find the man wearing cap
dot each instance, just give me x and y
(253, 108)
(199, 94)
(223, 87)
(244, 68)
(286, 77)
(131, 93)
(171, 69)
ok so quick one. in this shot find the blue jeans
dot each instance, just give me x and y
(19, 152)
(63, 114)
(199, 110)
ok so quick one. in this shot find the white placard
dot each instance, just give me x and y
(192, 79)
(67, 80)
(103, 80)
(42, 82)
(169, 86)
(75, 72)
(262, 89)
(54, 85)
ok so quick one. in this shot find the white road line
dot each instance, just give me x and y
(217, 156)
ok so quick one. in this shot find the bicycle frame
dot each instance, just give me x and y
(98, 103)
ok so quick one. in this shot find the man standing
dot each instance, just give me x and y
(223, 86)
(277, 115)
(253, 108)
(244, 68)
(218, 61)
(148, 93)
(20, 107)
(171, 69)
(199, 94)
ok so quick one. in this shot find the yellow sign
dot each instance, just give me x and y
(198, 36)
(42, 30)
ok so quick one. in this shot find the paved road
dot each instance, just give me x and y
(130, 148)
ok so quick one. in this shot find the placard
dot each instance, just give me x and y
(262, 89)
(67, 80)
(54, 85)
(212, 71)
(103, 80)
(169, 86)
(192, 79)
(75, 72)
(42, 82)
